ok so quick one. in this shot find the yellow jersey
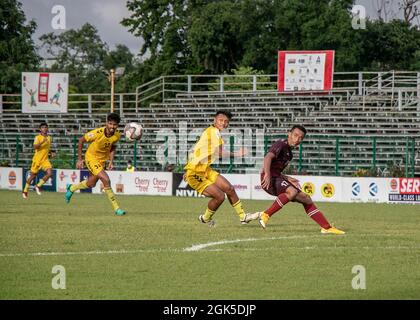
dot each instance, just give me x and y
(205, 150)
(41, 154)
(100, 145)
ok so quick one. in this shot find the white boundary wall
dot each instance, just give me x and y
(11, 178)
(324, 189)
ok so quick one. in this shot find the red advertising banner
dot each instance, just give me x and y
(305, 70)
(404, 190)
(43, 87)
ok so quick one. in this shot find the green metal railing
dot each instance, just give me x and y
(316, 155)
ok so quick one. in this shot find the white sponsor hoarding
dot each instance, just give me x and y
(328, 189)
(323, 189)
(140, 183)
(11, 178)
(44, 92)
(365, 190)
(241, 183)
(64, 177)
(305, 70)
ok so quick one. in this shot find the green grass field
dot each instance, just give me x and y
(142, 255)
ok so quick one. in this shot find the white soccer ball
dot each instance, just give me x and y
(133, 131)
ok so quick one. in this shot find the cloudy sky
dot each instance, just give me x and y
(106, 16)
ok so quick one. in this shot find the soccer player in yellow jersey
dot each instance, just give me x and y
(202, 178)
(101, 148)
(42, 145)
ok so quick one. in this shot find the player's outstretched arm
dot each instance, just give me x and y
(241, 152)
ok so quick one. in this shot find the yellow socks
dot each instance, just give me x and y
(26, 187)
(40, 183)
(79, 186)
(208, 214)
(239, 210)
(111, 196)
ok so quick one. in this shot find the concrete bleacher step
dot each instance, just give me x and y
(324, 115)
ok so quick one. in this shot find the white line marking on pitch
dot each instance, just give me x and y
(319, 248)
(198, 247)
(85, 252)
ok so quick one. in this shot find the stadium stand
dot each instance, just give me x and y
(362, 124)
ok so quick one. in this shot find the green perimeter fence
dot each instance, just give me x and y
(317, 155)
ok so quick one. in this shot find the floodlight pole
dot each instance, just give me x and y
(112, 89)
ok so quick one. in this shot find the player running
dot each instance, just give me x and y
(40, 161)
(286, 188)
(101, 148)
(202, 178)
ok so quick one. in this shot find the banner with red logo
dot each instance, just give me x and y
(65, 176)
(305, 70)
(404, 190)
(11, 178)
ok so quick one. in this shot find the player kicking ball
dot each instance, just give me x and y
(101, 148)
(40, 160)
(202, 178)
(286, 188)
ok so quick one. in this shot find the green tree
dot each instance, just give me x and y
(214, 37)
(318, 25)
(258, 35)
(17, 50)
(393, 45)
(163, 25)
(120, 57)
(81, 53)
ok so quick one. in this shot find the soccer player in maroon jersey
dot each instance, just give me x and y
(286, 188)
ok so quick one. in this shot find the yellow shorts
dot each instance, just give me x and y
(95, 166)
(201, 180)
(44, 165)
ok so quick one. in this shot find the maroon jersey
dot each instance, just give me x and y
(283, 155)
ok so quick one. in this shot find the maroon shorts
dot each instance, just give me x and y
(278, 185)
